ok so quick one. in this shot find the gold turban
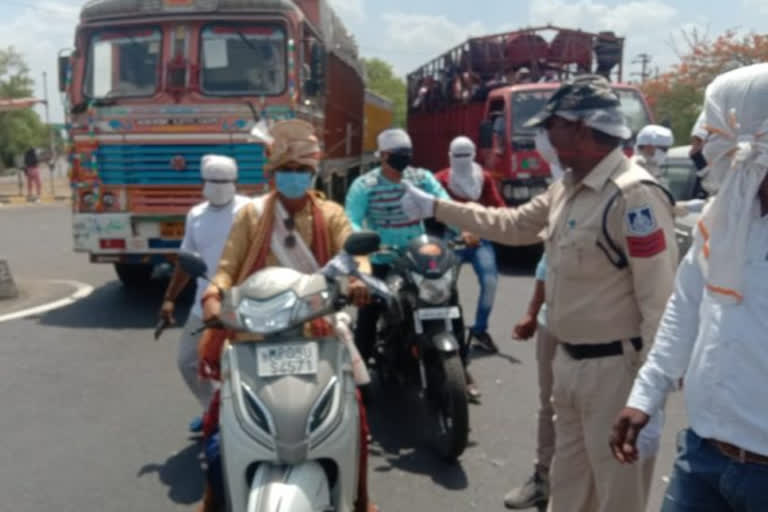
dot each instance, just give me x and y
(294, 141)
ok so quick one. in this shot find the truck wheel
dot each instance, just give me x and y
(134, 276)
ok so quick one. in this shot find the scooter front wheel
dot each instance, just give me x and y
(302, 488)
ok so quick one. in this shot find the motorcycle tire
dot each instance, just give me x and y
(451, 409)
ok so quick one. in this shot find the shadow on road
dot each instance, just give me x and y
(401, 442)
(181, 473)
(112, 306)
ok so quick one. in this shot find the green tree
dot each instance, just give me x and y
(19, 129)
(382, 80)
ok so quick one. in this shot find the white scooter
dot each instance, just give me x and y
(289, 418)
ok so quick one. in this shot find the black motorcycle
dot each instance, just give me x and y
(420, 335)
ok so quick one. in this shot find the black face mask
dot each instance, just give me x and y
(399, 161)
(698, 160)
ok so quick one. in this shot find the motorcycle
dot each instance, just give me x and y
(289, 417)
(420, 335)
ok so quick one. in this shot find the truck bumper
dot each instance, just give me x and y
(123, 237)
(519, 191)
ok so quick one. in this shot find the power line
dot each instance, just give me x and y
(643, 59)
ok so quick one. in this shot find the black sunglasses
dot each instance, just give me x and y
(290, 240)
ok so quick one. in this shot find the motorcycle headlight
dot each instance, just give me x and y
(395, 283)
(282, 311)
(434, 291)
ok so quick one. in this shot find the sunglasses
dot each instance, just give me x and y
(290, 240)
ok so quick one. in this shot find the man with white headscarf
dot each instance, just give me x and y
(610, 242)
(205, 233)
(465, 181)
(651, 146)
(712, 333)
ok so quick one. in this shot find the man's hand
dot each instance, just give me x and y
(525, 328)
(211, 309)
(416, 203)
(470, 240)
(358, 292)
(625, 431)
(166, 312)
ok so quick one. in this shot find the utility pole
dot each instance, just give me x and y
(643, 59)
(51, 160)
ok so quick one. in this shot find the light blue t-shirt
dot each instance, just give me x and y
(373, 202)
(541, 275)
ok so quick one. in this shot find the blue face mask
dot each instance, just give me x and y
(293, 185)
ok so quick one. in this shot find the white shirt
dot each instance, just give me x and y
(206, 231)
(723, 347)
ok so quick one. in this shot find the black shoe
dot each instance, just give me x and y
(484, 341)
(533, 493)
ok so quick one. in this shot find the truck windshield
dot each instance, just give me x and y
(243, 60)
(527, 103)
(123, 63)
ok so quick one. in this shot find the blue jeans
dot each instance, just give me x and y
(705, 480)
(483, 259)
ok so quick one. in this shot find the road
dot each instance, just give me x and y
(94, 413)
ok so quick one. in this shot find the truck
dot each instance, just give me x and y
(488, 87)
(152, 86)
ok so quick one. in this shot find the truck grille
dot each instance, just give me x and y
(174, 164)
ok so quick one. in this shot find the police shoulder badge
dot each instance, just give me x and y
(644, 236)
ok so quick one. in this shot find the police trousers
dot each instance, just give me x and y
(587, 396)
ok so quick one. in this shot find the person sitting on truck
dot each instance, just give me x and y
(205, 232)
(466, 181)
(291, 226)
(652, 144)
(373, 203)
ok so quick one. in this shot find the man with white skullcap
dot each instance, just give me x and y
(466, 181)
(652, 144)
(609, 236)
(712, 333)
(205, 232)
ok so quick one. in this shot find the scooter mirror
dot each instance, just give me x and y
(362, 243)
(192, 264)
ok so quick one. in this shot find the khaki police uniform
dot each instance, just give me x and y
(599, 313)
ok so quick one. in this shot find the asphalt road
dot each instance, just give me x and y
(94, 413)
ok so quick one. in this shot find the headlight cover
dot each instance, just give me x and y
(434, 291)
(282, 311)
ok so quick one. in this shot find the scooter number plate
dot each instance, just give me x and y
(437, 313)
(288, 359)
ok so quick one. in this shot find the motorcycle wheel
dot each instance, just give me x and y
(451, 409)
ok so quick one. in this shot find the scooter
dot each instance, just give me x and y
(289, 418)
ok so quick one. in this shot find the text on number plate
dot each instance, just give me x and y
(288, 359)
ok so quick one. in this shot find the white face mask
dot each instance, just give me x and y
(716, 151)
(219, 194)
(659, 157)
(548, 153)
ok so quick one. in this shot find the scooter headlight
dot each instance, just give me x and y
(434, 291)
(282, 311)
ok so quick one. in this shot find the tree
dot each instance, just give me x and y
(19, 129)
(382, 80)
(677, 96)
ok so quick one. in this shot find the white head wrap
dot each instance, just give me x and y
(219, 168)
(466, 176)
(394, 138)
(736, 150)
(655, 135)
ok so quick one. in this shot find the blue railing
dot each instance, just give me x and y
(153, 165)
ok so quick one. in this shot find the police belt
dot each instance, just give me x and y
(594, 351)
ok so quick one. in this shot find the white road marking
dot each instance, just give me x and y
(82, 290)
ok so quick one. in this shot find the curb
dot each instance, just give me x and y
(82, 290)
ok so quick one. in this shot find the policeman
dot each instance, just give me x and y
(610, 243)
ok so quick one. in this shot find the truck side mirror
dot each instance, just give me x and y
(314, 84)
(486, 135)
(63, 73)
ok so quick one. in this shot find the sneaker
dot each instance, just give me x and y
(484, 341)
(533, 493)
(196, 425)
(473, 393)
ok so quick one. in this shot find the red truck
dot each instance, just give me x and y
(152, 86)
(488, 87)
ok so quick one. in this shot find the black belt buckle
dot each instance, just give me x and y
(598, 350)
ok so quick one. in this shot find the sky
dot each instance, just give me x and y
(407, 33)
